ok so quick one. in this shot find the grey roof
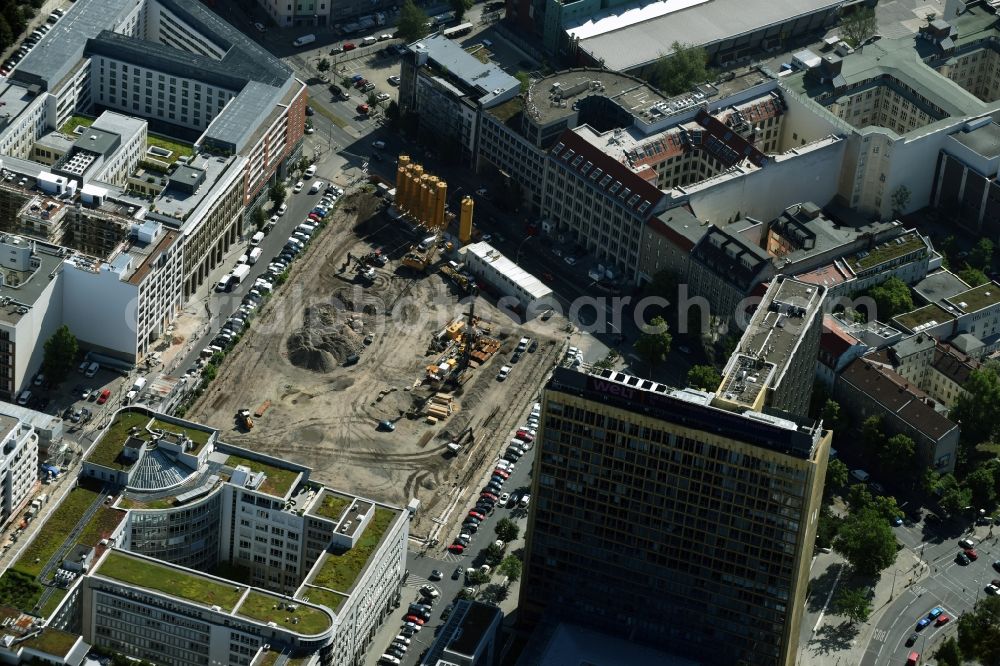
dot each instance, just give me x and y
(30, 287)
(624, 47)
(62, 47)
(231, 128)
(983, 140)
(939, 285)
(966, 342)
(125, 126)
(486, 78)
(96, 140)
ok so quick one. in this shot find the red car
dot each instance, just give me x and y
(942, 619)
(971, 554)
(489, 495)
(361, 83)
(456, 548)
(476, 514)
(501, 472)
(524, 436)
(349, 47)
(103, 398)
(414, 619)
(315, 217)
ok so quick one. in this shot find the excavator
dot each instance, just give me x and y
(243, 417)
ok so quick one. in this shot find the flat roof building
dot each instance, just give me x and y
(470, 637)
(518, 289)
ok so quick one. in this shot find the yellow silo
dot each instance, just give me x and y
(440, 200)
(465, 222)
(424, 206)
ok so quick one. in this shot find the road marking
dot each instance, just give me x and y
(918, 590)
(881, 635)
(826, 603)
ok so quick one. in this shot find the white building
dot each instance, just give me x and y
(518, 289)
(18, 465)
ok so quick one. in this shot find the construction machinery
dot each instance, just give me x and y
(464, 284)
(243, 417)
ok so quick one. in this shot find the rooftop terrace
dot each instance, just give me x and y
(52, 641)
(107, 451)
(170, 580)
(331, 505)
(891, 249)
(926, 317)
(339, 570)
(265, 607)
(279, 479)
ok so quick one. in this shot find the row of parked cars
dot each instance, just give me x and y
(417, 614)
(31, 40)
(492, 494)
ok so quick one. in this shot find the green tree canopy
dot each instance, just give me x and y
(972, 276)
(6, 34)
(979, 632)
(981, 256)
(507, 530)
(975, 408)
(60, 354)
(510, 567)
(858, 26)
(477, 577)
(412, 22)
(866, 541)
(493, 554)
(899, 451)
(982, 483)
(832, 418)
(827, 527)
(953, 497)
(949, 654)
(704, 377)
(654, 341)
(892, 297)
(900, 200)
(278, 192)
(460, 7)
(853, 602)
(323, 65)
(684, 68)
(836, 475)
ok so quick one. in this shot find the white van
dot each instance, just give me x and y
(92, 369)
(257, 238)
(24, 397)
(861, 475)
(310, 171)
(427, 242)
(316, 186)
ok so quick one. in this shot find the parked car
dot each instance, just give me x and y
(456, 548)
(457, 573)
(435, 575)
(942, 620)
(965, 544)
(922, 624)
(971, 554)
(298, 187)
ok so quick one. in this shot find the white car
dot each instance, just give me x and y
(310, 171)
(525, 500)
(298, 187)
(383, 96)
(504, 499)
(967, 544)
(282, 208)
(310, 130)
(259, 26)
(482, 192)
(504, 371)
(378, 145)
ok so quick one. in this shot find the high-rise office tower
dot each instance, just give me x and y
(681, 518)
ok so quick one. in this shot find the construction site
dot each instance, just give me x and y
(376, 363)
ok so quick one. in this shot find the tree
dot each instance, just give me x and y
(871, 433)
(654, 341)
(900, 199)
(899, 451)
(954, 498)
(493, 554)
(507, 530)
(974, 408)
(854, 602)
(859, 26)
(949, 654)
(525, 80)
(704, 377)
(979, 632)
(460, 7)
(981, 483)
(510, 567)
(866, 541)
(859, 497)
(372, 100)
(892, 297)
(412, 22)
(6, 34)
(277, 194)
(981, 256)
(15, 19)
(60, 354)
(257, 219)
(836, 475)
(323, 65)
(678, 72)
(972, 276)
(832, 418)
(827, 527)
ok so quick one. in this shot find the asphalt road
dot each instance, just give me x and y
(420, 567)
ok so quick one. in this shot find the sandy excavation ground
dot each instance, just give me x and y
(324, 415)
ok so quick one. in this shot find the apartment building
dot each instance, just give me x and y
(18, 466)
(843, 340)
(447, 89)
(220, 555)
(652, 503)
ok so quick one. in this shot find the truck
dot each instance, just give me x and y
(140, 383)
(254, 255)
(304, 39)
(239, 274)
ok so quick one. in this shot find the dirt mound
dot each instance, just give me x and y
(323, 341)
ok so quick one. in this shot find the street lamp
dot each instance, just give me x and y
(517, 255)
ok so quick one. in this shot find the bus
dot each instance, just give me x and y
(458, 30)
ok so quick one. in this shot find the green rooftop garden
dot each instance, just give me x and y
(976, 299)
(176, 148)
(323, 597)
(19, 589)
(101, 526)
(52, 641)
(507, 110)
(268, 658)
(132, 503)
(59, 524)
(332, 506)
(199, 437)
(304, 619)
(69, 127)
(923, 315)
(339, 571)
(58, 594)
(888, 251)
(175, 582)
(109, 447)
(279, 480)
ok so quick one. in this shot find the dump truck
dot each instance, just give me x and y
(244, 419)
